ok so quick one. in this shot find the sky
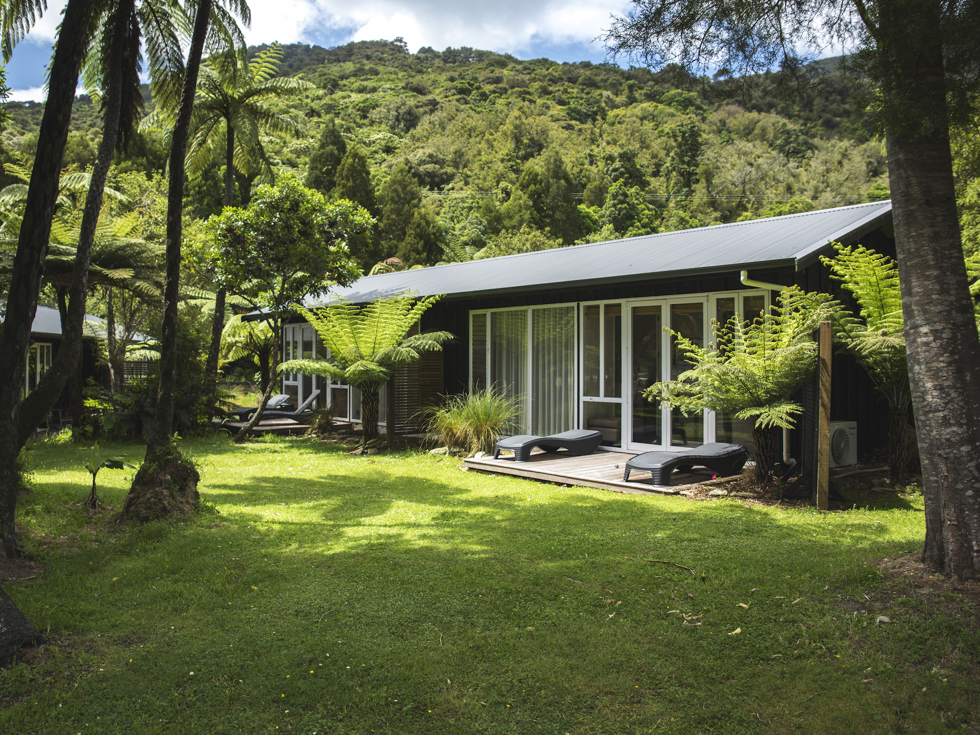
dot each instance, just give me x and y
(561, 30)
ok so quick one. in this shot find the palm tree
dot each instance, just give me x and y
(366, 344)
(231, 110)
(163, 467)
(113, 34)
(16, 18)
(252, 340)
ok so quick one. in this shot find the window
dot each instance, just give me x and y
(528, 355)
(38, 363)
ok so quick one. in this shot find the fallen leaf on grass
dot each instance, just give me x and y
(736, 631)
(671, 612)
(742, 604)
(694, 617)
(692, 625)
(798, 599)
(882, 619)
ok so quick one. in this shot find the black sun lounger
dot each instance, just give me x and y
(292, 414)
(725, 459)
(578, 441)
(278, 401)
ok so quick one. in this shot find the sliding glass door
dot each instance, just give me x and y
(588, 366)
(602, 371)
(528, 355)
(646, 368)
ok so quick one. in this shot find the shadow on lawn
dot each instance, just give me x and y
(561, 523)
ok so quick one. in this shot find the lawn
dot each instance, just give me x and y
(320, 592)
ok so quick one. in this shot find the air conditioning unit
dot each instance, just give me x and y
(843, 443)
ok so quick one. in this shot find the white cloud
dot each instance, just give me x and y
(34, 94)
(511, 26)
(525, 28)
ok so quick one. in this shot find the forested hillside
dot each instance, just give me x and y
(466, 153)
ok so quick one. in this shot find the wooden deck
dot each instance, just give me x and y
(602, 470)
(268, 426)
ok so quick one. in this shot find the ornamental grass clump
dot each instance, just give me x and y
(472, 422)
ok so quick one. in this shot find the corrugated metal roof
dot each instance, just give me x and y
(791, 240)
(47, 323)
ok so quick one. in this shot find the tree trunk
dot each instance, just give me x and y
(766, 448)
(66, 364)
(940, 329)
(116, 347)
(211, 367)
(899, 449)
(370, 401)
(163, 420)
(16, 631)
(218, 319)
(32, 249)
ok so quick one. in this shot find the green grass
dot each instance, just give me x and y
(321, 592)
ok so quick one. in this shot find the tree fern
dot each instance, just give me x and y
(753, 369)
(876, 338)
(367, 343)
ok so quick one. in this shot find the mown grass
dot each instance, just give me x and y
(327, 593)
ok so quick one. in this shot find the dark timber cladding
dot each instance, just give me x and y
(780, 250)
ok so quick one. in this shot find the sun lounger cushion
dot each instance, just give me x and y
(725, 459)
(577, 441)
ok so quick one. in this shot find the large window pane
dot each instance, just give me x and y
(686, 320)
(553, 370)
(478, 351)
(508, 359)
(338, 402)
(734, 431)
(591, 363)
(646, 369)
(612, 365)
(606, 419)
(753, 306)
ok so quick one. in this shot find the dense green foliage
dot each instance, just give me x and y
(875, 335)
(472, 422)
(483, 146)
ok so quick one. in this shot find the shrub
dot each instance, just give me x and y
(472, 422)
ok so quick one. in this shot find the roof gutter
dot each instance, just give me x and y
(746, 281)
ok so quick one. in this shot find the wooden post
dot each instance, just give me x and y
(825, 343)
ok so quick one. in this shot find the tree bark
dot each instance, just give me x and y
(163, 420)
(941, 332)
(899, 451)
(16, 631)
(32, 249)
(765, 440)
(370, 401)
(66, 364)
(218, 320)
